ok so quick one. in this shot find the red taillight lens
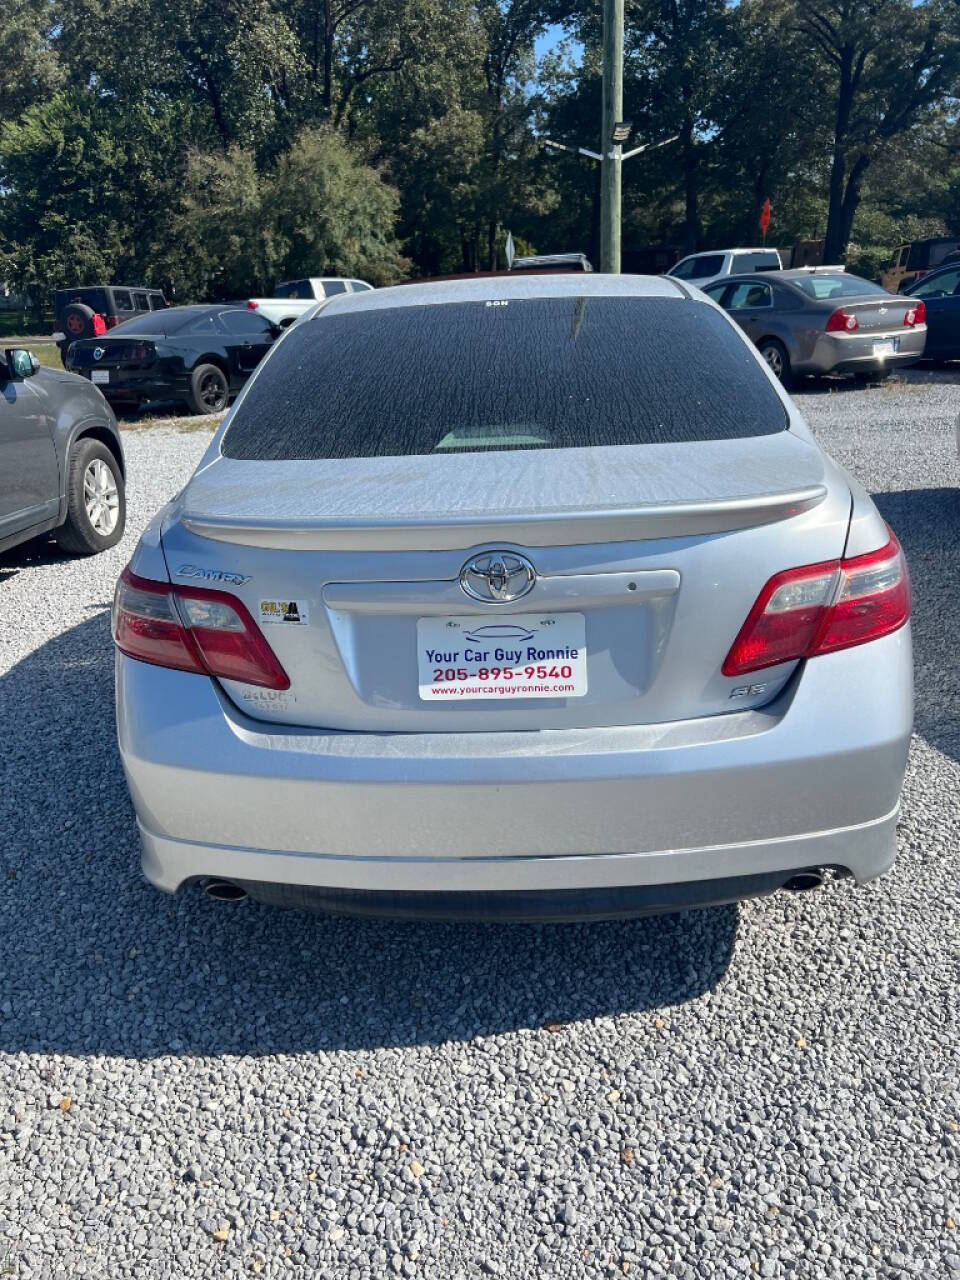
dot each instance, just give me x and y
(820, 608)
(192, 629)
(916, 315)
(253, 305)
(842, 322)
(99, 325)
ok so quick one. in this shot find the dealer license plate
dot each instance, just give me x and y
(530, 655)
(100, 375)
(886, 347)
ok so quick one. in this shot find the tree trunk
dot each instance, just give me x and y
(594, 252)
(835, 240)
(691, 194)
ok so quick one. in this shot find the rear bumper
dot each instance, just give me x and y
(811, 780)
(132, 386)
(854, 352)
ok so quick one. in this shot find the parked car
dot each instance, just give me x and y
(61, 461)
(489, 600)
(939, 295)
(320, 287)
(89, 311)
(702, 268)
(198, 355)
(822, 320)
(552, 262)
(912, 261)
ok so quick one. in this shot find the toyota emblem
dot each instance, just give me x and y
(497, 577)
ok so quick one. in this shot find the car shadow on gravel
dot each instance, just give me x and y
(927, 522)
(95, 961)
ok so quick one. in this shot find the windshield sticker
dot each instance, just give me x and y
(290, 611)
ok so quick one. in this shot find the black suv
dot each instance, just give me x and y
(90, 310)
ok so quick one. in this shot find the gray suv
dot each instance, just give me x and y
(61, 461)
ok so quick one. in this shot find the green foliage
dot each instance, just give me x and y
(214, 146)
(317, 210)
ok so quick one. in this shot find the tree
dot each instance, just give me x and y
(886, 65)
(29, 68)
(675, 49)
(317, 210)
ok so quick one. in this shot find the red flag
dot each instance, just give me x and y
(765, 217)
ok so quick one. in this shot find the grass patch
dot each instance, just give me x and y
(48, 354)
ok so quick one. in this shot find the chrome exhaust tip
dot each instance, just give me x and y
(224, 891)
(804, 881)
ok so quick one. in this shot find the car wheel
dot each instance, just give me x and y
(209, 391)
(775, 354)
(96, 501)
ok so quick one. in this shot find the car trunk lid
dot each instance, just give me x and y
(646, 560)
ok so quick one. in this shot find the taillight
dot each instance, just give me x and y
(820, 608)
(252, 305)
(192, 629)
(98, 324)
(842, 322)
(916, 315)
(113, 321)
(143, 353)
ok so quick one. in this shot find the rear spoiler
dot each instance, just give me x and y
(569, 528)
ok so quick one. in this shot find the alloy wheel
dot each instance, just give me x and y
(212, 393)
(100, 497)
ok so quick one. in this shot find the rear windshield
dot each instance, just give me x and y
(172, 321)
(542, 373)
(838, 286)
(95, 299)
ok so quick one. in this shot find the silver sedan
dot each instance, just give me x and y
(821, 320)
(527, 597)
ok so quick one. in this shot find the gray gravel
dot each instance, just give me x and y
(191, 1090)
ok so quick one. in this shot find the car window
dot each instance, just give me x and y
(246, 322)
(835, 286)
(527, 373)
(122, 300)
(294, 289)
(158, 302)
(141, 302)
(761, 261)
(705, 264)
(749, 294)
(716, 292)
(173, 320)
(361, 286)
(330, 287)
(95, 299)
(937, 286)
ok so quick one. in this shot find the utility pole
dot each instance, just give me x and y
(611, 152)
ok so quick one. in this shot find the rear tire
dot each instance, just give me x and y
(775, 354)
(96, 501)
(209, 390)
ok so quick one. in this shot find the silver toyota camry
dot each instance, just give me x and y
(522, 598)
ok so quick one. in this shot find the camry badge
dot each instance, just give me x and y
(497, 577)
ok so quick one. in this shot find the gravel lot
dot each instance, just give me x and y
(193, 1090)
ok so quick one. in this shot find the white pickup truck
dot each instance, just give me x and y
(292, 298)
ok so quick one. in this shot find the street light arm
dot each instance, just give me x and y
(648, 146)
(582, 151)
